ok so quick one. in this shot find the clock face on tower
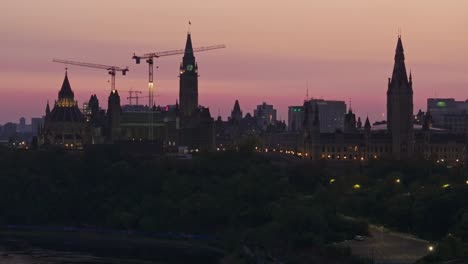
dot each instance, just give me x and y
(189, 67)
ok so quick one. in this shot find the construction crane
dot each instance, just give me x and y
(149, 57)
(110, 69)
(137, 97)
(133, 95)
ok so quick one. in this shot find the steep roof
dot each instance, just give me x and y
(399, 68)
(367, 125)
(188, 45)
(236, 107)
(66, 91)
(66, 114)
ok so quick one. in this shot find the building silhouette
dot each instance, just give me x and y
(400, 106)
(402, 136)
(65, 125)
(153, 128)
(265, 114)
(188, 87)
(447, 113)
(295, 117)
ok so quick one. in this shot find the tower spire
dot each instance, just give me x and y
(47, 111)
(188, 45)
(367, 125)
(399, 68)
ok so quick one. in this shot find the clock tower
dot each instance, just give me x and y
(400, 107)
(188, 87)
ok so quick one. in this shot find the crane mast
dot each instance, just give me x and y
(111, 70)
(149, 57)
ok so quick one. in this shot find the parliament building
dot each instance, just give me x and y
(152, 127)
(398, 138)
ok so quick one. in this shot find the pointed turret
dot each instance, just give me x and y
(113, 102)
(188, 86)
(359, 123)
(47, 110)
(399, 68)
(236, 106)
(188, 46)
(367, 125)
(66, 91)
(400, 107)
(113, 115)
(236, 113)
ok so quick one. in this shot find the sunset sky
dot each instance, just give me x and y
(343, 49)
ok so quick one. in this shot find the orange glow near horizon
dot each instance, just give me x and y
(343, 49)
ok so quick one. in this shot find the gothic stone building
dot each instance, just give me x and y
(399, 138)
(185, 124)
(65, 125)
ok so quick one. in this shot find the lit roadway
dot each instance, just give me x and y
(386, 247)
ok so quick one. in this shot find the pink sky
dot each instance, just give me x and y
(343, 49)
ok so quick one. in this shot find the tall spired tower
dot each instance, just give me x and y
(188, 89)
(400, 107)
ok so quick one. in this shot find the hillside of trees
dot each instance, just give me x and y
(236, 199)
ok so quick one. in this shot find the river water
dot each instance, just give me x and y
(42, 256)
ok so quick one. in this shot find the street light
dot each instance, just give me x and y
(430, 248)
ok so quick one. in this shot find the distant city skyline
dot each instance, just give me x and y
(272, 53)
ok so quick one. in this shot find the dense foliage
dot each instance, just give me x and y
(420, 197)
(239, 197)
(236, 197)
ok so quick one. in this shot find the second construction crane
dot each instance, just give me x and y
(149, 57)
(110, 69)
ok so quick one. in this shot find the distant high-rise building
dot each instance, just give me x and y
(9, 130)
(36, 124)
(21, 125)
(448, 113)
(188, 86)
(295, 118)
(331, 114)
(400, 118)
(402, 136)
(265, 115)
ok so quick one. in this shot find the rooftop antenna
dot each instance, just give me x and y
(307, 90)
(189, 26)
